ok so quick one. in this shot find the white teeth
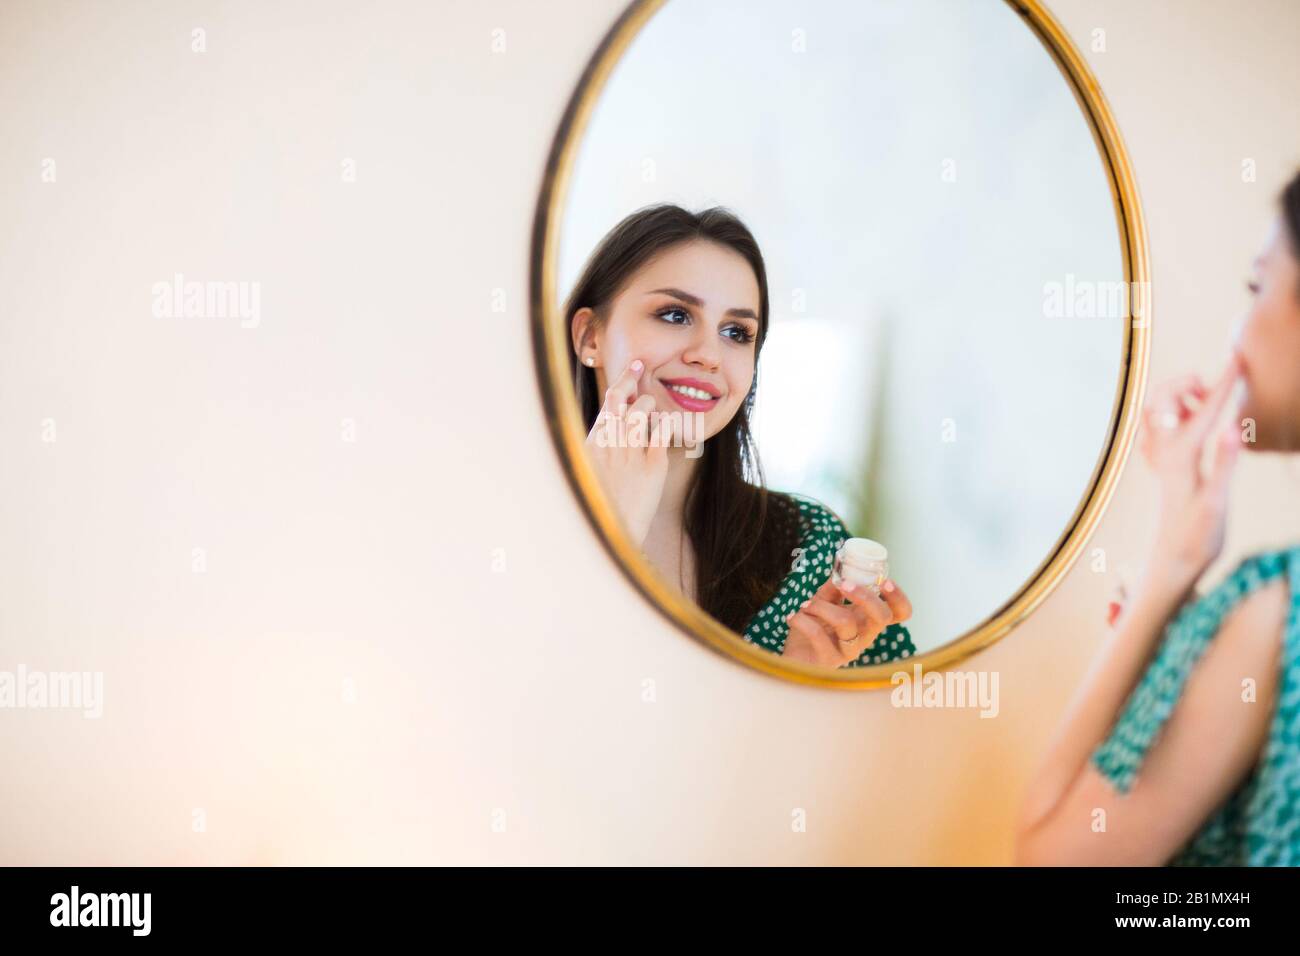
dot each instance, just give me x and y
(691, 392)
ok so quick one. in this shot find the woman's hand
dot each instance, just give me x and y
(629, 448)
(830, 634)
(1176, 425)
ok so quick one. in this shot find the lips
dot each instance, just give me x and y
(692, 394)
(713, 390)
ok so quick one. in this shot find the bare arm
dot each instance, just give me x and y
(1097, 703)
(1064, 794)
(1206, 749)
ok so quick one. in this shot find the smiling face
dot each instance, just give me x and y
(691, 315)
(1270, 345)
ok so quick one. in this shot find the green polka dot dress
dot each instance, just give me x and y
(821, 534)
(1259, 823)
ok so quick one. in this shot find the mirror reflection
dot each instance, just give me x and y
(867, 258)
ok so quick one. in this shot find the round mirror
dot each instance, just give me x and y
(884, 269)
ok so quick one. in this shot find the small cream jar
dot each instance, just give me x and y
(862, 561)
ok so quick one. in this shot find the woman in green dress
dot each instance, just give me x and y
(1182, 747)
(668, 319)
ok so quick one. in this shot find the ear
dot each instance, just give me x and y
(581, 330)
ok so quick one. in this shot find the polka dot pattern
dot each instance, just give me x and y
(821, 534)
(1259, 823)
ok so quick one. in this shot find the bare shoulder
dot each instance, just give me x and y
(1257, 622)
(1246, 651)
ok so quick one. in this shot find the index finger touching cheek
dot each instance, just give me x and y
(623, 390)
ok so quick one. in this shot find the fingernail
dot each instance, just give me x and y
(847, 586)
(637, 366)
(805, 603)
(889, 585)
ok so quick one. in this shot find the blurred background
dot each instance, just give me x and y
(345, 605)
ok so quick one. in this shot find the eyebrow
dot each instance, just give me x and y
(696, 301)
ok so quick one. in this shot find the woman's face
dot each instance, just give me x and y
(1270, 346)
(691, 315)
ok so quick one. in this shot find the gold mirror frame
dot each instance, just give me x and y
(551, 347)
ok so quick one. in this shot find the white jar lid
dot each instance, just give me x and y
(862, 550)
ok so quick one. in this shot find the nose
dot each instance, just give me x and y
(705, 350)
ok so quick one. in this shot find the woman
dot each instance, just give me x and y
(1183, 744)
(669, 316)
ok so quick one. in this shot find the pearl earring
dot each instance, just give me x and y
(591, 360)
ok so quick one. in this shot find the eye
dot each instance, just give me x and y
(676, 315)
(673, 310)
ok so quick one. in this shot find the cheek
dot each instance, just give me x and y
(1273, 327)
(740, 376)
(654, 341)
(630, 337)
(1252, 340)
(1270, 344)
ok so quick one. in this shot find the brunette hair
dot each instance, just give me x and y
(742, 534)
(1291, 214)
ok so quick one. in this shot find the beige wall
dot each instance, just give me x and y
(349, 680)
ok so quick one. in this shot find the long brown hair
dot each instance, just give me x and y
(1290, 201)
(742, 534)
